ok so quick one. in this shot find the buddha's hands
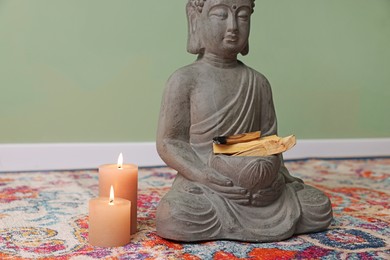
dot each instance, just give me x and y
(225, 187)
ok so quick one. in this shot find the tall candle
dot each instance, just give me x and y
(109, 224)
(124, 179)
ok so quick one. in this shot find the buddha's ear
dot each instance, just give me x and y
(245, 51)
(193, 42)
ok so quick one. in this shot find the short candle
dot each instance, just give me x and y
(124, 179)
(109, 224)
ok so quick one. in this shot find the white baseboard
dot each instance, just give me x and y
(339, 148)
(62, 156)
(39, 157)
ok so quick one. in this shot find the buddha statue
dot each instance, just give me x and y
(216, 196)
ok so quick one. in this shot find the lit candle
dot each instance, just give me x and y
(109, 224)
(124, 178)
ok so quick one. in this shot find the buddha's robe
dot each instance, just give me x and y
(191, 211)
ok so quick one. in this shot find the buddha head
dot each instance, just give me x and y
(220, 27)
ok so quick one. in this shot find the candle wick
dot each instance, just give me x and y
(111, 202)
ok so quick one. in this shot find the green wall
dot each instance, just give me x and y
(94, 71)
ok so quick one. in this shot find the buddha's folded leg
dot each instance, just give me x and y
(316, 210)
(185, 214)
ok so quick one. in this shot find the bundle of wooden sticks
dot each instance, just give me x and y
(252, 144)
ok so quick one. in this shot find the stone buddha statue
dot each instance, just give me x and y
(216, 196)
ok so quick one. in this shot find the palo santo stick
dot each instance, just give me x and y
(239, 138)
(270, 147)
(239, 147)
(263, 147)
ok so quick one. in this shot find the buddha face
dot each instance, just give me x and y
(224, 26)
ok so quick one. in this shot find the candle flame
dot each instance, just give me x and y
(120, 161)
(111, 196)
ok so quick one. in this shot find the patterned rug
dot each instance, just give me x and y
(43, 215)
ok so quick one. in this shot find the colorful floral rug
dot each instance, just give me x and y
(43, 215)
